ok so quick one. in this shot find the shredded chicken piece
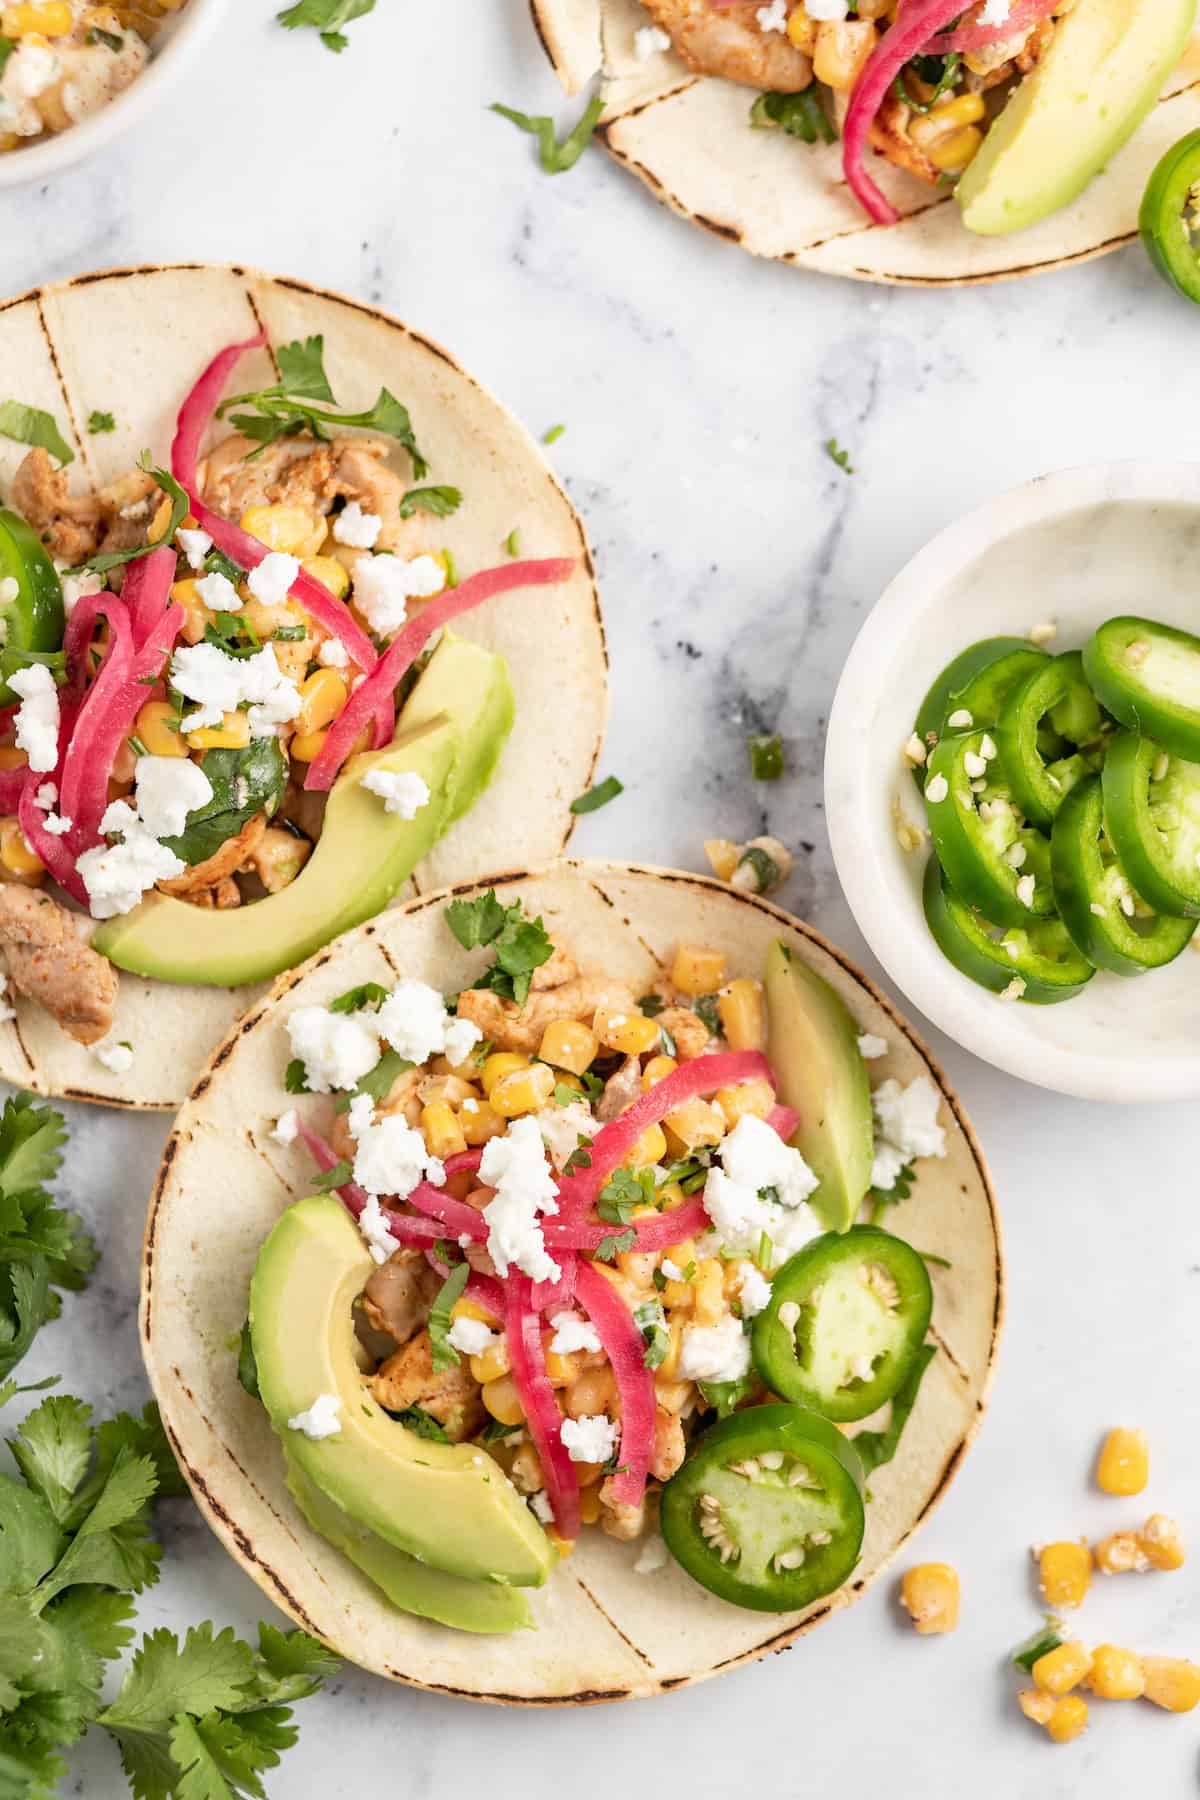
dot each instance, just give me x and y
(76, 526)
(278, 857)
(670, 1446)
(49, 961)
(292, 472)
(560, 967)
(688, 1030)
(222, 896)
(731, 43)
(234, 854)
(889, 135)
(399, 1294)
(620, 1090)
(451, 1396)
(510, 1027)
(618, 1520)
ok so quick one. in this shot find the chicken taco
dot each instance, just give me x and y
(596, 1236)
(294, 617)
(926, 142)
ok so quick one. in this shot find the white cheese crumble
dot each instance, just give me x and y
(905, 1127)
(117, 875)
(337, 1049)
(383, 586)
(333, 654)
(195, 546)
(995, 12)
(761, 1187)
(375, 1232)
(414, 1021)
(648, 41)
(471, 1336)
(827, 10)
(286, 1127)
(542, 1508)
(273, 579)
(356, 528)
(116, 1058)
(870, 1047)
(590, 1439)
(77, 587)
(753, 1290)
(218, 593)
(391, 1157)
(773, 17)
(671, 1270)
(714, 1352)
(220, 684)
(403, 793)
(56, 826)
(168, 789)
(517, 1168)
(37, 715)
(563, 1126)
(573, 1332)
(651, 1557)
(321, 1418)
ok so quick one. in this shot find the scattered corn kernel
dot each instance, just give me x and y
(51, 17)
(522, 1091)
(330, 573)
(322, 697)
(930, 1595)
(1064, 1573)
(499, 1064)
(501, 1399)
(291, 528)
(1060, 1670)
(568, 1044)
(1161, 1543)
(708, 1292)
(480, 1121)
(157, 725)
(306, 746)
(946, 117)
(17, 857)
(696, 970)
(694, 1124)
(750, 1098)
(1068, 1720)
(1121, 1554)
(649, 1149)
(631, 1034)
(233, 733)
(722, 853)
(657, 1069)
(1171, 1682)
(1036, 1705)
(1124, 1463)
(1116, 1674)
(443, 1133)
(840, 51)
(196, 616)
(743, 1013)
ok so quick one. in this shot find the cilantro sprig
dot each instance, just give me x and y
(878, 1447)
(439, 501)
(302, 400)
(30, 425)
(326, 17)
(105, 560)
(520, 945)
(555, 157)
(441, 1350)
(43, 1249)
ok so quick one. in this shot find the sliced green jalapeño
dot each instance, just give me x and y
(974, 684)
(31, 601)
(991, 857)
(1148, 676)
(1152, 811)
(767, 1511)
(1055, 696)
(1108, 923)
(846, 1318)
(1167, 213)
(1040, 954)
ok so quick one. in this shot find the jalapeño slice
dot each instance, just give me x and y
(988, 852)
(31, 613)
(976, 682)
(1041, 953)
(1056, 695)
(1152, 811)
(1109, 925)
(1148, 676)
(1167, 215)
(767, 1511)
(846, 1318)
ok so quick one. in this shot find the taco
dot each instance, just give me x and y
(928, 143)
(589, 1412)
(306, 624)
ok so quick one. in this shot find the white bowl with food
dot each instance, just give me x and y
(1046, 565)
(78, 75)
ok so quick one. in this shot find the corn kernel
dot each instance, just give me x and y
(12, 758)
(649, 1149)
(564, 1546)
(721, 853)
(1172, 1682)
(560, 1370)
(1124, 1463)
(1116, 1674)
(589, 1505)
(480, 1121)
(629, 1033)
(499, 1064)
(708, 1303)
(1064, 1573)
(17, 857)
(1036, 1705)
(330, 573)
(656, 1070)
(491, 1365)
(951, 154)
(1121, 1554)
(51, 17)
(840, 51)
(523, 1091)
(451, 1089)
(743, 1014)
(1161, 1543)
(264, 621)
(196, 616)
(322, 697)
(307, 746)
(156, 531)
(592, 1391)
(802, 32)
(750, 1098)
(291, 528)
(946, 117)
(1060, 1670)
(695, 1124)
(696, 970)
(157, 725)
(1069, 1718)
(502, 1400)
(668, 1368)
(930, 1595)
(568, 1044)
(233, 733)
(471, 1309)
(443, 1133)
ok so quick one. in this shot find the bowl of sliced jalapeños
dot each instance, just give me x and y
(1016, 824)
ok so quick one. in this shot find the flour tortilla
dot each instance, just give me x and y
(131, 342)
(689, 139)
(604, 1631)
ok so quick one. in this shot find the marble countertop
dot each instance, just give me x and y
(737, 561)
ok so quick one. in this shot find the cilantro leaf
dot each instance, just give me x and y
(30, 425)
(444, 1355)
(556, 158)
(336, 1177)
(609, 1248)
(651, 1322)
(423, 1424)
(622, 1192)
(369, 993)
(875, 1448)
(302, 370)
(440, 501)
(295, 1080)
(99, 422)
(796, 115)
(476, 922)
(521, 945)
(289, 406)
(597, 796)
(327, 17)
(726, 1396)
(377, 1081)
(180, 504)
(43, 1248)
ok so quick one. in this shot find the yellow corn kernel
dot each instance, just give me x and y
(563, 1546)
(452, 1089)
(947, 116)
(592, 1391)
(285, 527)
(743, 1014)
(265, 621)
(16, 855)
(307, 746)
(708, 1303)
(560, 1370)
(929, 1593)
(1161, 1543)
(524, 1091)
(952, 153)
(443, 1133)
(480, 1121)
(322, 697)
(197, 617)
(750, 1098)
(1036, 1706)
(563, 1079)
(471, 1309)
(1064, 1573)
(649, 1149)
(233, 733)
(1171, 1682)
(330, 573)
(156, 531)
(589, 1505)
(1069, 1718)
(499, 1064)
(802, 32)
(502, 1400)
(12, 758)
(1121, 1554)
(722, 854)
(672, 1396)
(668, 1368)
(52, 18)
(157, 725)
(694, 1124)
(629, 1033)
(696, 970)
(656, 1070)
(568, 1044)
(1060, 1670)
(1123, 1466)
(841, 49)
(492, 1364)
(1116, 1674)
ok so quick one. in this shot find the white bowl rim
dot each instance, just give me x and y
(954, 1009)
(48, 155)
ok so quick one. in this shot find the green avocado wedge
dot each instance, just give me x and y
(447, 1505)
(1101, 75)
(812, 1045)
(412, 1586)
(450, 733)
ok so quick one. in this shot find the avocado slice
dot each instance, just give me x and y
(450, 732)
(447, 1505)
(412, 1586)
(813, 1048)
(1103, 72)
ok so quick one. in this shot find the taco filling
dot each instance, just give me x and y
(63, 60)
(579, 1256)
(233, 717)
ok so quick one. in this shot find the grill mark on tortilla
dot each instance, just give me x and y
(632, 929)
(964, 1375)
(81, 438)
(583, 1587)
(15, 1022)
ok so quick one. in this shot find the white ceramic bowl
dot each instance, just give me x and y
(179, 41)
(1075, 547)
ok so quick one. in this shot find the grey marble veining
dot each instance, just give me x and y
(737, 561)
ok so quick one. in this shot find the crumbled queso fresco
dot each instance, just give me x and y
(905, 1127)
(760, 1189)
(403, 793)
(116, 875)
(591, 1439)
(37, 716)
(383, 586)
(517, 1167)
(391, 1157)
(320, 1420)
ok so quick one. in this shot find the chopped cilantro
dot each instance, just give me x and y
(796, 115)
(43, 1249)
(622, 1192)
(440, 501)
(444, 1355)
(30, 425)
(521, 945)
(564, 1094)
(877, 1447)
(598, 796)
(327, 17)
(580, 1157)
(881, 1198)
(841, 457)
(368, 993)
(609, 1248)
(495, 1429)
(766, 757)
(652, 1324)
(100, 422)
(290, 406)
(294, 1078)
(705, 1009)
(555, 157)
(336, 1177)
(651, 1005)
(105, 560)
(376, 1081)
(422, 1424)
